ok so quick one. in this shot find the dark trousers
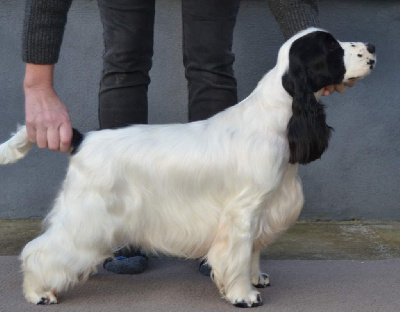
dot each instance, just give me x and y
(128, 27)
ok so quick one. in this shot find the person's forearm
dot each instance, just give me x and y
(43, 30)
(294, 15)
(38, 76)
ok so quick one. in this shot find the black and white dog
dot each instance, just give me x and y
(221, 188)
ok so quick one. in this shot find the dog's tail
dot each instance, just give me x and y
(16, 147)
(19, 145)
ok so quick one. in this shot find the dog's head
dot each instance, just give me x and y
(310, 61)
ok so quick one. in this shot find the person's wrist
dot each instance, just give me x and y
(38, 77)
(31, 87)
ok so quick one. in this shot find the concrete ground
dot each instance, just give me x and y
(316, 266)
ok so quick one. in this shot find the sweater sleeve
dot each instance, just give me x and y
(294, 15)
(43, 30)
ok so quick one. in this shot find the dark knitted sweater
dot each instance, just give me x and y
(43, 30)
(45, 22)
(294, 15)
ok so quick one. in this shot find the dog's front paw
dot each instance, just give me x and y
(252, 299)
(261, 281)
(49, 297)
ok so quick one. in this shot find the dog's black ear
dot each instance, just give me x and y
(308, 133)
(315, 61)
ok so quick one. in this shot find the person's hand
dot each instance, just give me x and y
(46, 116)
(340, 88)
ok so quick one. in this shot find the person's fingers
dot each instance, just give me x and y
(65, 137)
(45, 113)
(53, 138)
(41, 137)
(340, 88)
(350, 83)
(31, 130)
(329, 90)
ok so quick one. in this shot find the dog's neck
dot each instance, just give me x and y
(267, 108)
(271, 93)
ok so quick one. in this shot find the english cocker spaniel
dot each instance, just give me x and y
(222, 188)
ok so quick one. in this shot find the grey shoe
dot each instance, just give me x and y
(204, 268)
(127, 260)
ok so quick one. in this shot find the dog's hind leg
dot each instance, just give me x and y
(52, 264)
(74, 243)
(43, 272)
(35, 291)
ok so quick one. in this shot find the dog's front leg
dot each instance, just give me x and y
(231, 259)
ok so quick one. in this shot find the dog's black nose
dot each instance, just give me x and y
(370, 48)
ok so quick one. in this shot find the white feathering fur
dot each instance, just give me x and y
(16, 147)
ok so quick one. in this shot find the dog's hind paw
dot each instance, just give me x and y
(49, 297)
(261, 281)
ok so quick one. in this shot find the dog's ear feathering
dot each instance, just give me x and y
(315, 61)
(307, 131)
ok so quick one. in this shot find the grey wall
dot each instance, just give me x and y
(357, 178)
